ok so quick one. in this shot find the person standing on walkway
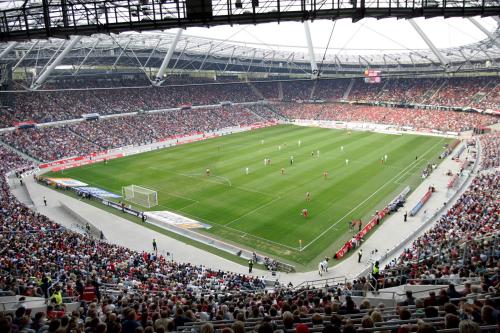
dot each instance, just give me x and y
(405, 217)
(250, 266)
(360, 254)
(155, 246)
(44, 201)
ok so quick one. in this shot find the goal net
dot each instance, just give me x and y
(140, 195)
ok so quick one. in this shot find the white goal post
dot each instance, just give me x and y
(140, 195)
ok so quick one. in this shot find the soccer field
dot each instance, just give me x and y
(262, 210)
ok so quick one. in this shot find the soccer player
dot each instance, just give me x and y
(282, 171)
(279, 147)
(207, 172)
(346, 162)
(305, 213)
(299, 143)
(382, 160)
(247, 170)
(341, 148)
(325, 174)
(385, 158)
(291, 160)
(265, 161)
(262, 141)
(308, 196)
(312, 153)
(317, 153)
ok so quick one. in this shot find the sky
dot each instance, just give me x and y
(363, 37)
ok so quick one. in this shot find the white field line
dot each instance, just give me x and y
(221, 225)
(161, 190)
(199, 177)
(233, 229)
(260, 238)
(398, 175)
(252, 211)
(186, 206)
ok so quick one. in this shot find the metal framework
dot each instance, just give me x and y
(20, 20)
(146, 54)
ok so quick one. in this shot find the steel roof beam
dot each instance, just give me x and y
(491, 36)
(9, 48)
(163, 68)
(45, 75)
(429, 43)
(310, 50)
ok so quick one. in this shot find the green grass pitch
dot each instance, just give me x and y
(262, 210)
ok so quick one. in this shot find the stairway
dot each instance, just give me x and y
(280, 91)
(489, 88)
(20, 153)
(255, 90)
(348, 90)
(426, 96)
(313, 90)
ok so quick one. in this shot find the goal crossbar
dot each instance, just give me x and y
(140, 195)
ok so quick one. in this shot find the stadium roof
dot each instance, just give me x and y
(338, 48)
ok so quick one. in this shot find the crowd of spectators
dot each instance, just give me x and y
(48, 106)
(490, 145)
(462, 244)
(37, 253)
(422, 119)
(153, 294)
(49, 143)
(55, 142)
(129, 94)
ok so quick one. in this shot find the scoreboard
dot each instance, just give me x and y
(372, 76)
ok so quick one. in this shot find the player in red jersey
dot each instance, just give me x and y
(305, 213)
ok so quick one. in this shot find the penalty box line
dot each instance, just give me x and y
(225, 226)
(398, 175)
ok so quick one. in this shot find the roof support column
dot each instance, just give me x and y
(312, 59)
(166, 60)
(44, 76)
(485, 31)
(429, 43)
(8, 49)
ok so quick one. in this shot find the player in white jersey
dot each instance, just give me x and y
(346, 162)
(247, 170)
(341, 148)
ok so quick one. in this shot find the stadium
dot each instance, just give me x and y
(242, 166)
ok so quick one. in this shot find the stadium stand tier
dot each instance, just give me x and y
(482, 93)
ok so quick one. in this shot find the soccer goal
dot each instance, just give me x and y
(140, 195)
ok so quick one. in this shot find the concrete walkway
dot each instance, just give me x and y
(125, 233)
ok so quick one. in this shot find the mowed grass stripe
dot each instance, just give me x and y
(262, 210)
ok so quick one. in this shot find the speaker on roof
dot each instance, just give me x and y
(255, 3)
(199, 9)
(238, 4)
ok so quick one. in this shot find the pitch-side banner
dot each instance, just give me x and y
(176, 220)
(97, 192)
(67, 182)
